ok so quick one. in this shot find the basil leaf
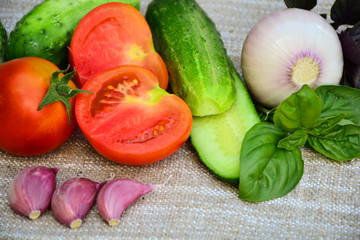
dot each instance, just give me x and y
(339, 143)
(345, 12)
(340, 99)
(295, 140)
(266, 171)
(301, 109)
(303, 4)
(326, 124)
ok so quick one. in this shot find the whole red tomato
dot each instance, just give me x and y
(23, 129)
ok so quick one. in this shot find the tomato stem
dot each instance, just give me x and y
(60, 91)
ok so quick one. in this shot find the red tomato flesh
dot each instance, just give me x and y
(23, 129)
(111, 35)
(129, 119)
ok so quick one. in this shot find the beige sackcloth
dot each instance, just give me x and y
(194, 203)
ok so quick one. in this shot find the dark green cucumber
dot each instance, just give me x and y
(217, 139)
(3, 40)
(47, 29)
(194, 53)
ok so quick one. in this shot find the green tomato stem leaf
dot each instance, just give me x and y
(339, 99)
(340, 143)
(294, 141)
(60, 91)
(303, 4)
(266, 171)
(301, 110)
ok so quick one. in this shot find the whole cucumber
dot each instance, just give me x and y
(47, 29)
(3, 40)
(192, 48)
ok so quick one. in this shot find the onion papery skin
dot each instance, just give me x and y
(274, 45)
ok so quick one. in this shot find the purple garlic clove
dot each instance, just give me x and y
(30, 192)
(73, 199)
(117, 195)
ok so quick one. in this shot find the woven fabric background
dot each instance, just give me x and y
(194, 204)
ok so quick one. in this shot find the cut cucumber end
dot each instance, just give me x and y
(218, 138)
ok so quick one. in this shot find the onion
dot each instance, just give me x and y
(287, 49)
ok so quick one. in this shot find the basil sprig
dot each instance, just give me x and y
(327, 120)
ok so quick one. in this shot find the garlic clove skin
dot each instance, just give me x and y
(73, 199)
(30, 192)
(117, 195)
(287, 49)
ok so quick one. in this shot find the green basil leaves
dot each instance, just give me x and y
(267, 171)
(301, 109)
(327, 120)
(341, 142)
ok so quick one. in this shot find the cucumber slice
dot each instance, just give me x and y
(218, 138)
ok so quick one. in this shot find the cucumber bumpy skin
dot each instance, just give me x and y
(218, 138)
(3, 40)
(194, 54)
(47, 29)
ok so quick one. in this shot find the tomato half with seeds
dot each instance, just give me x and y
(111, 35)
(131, 120)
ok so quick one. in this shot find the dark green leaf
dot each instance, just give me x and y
(303, 4)
(340, 99)
(301, 110)
(339, 143)
(326, 123)
(345, 12)
(294, 141)
(266, 171)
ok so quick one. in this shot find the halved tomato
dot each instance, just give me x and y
(111, 35)
(131, 120)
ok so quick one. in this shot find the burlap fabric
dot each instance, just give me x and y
(194, 204)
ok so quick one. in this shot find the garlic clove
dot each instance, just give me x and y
(117, 195)
(73, 199)
(30, 192)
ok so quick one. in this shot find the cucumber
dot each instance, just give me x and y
(47, 29)
(3, 40)
(194, 53)
(217, 139)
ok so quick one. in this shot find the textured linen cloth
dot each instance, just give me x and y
(194, 203)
